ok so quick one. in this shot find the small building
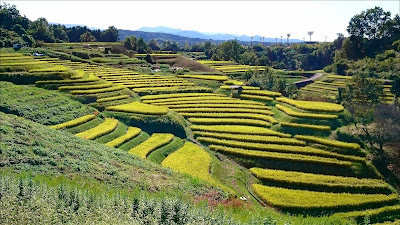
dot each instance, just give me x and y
(236, 90)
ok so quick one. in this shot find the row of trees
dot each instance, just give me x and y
(16, 28)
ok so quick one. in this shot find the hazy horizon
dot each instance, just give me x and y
(270, 19)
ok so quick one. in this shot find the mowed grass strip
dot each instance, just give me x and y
(251, 138)
(312, 106)
(262, 92)
(130, 133)
(85, 87)
(284, 157)
(141, 108)
(104, 128)
(232, 115)
(301, 200)
(114, 98)
(234, 121)
(177, 95)
(95, 91)
(319, 181)
(306, 126)
(293, 113)
(205, 77)
(226, 110)
(329, 142)
(155, 141)
(279, 148)
(237, 129)
(74, 122)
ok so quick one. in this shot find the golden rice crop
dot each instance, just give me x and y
(262, 92)
(339, 77)
(324, 87)
(190, 159)
(328, 142)
(130, 133)
(227, 87)
(232, 115)
(251, 138)
(86, 87)
(216, 105)
(141, 108)
(189, 98)
(100, 100)
(158, 84)
(279, 148)
(233, 82)
(257, 97)
(156, 140)
(177, 95)
(170, 89)
(306, 126)
(226, 110)
(286, 157)
(84, 80)
(96, 91)
(104, 128)
(74, 122)
(313, 106)
(214, 62)
(211, 102)
(23, 63)
(293, 113)
(313, 200)
(205, 77)
(236, 121)
(237, 129)
(317, 180)
(333, 84)
(360, 215)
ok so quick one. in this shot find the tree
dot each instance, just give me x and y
(396, 89)
(130, 43)
(249, 58)
(141, 46)
(153, 45)
(387, 129)
(370, 24)
(59, 33)
(87, 37)
(363, 90)
(310, 33)
(10, 16)
(41, 30)
(110, 35)
(229, 50)
(74, 33)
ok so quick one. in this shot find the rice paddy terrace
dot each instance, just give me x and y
(283, 146)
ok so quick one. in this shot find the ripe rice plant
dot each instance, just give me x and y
(233, 82)
(375, 215)
(251, 138)
(58, 68)
(193, 160)
(216, 105)
(158, 90)
(119, 97)
(257, 97)
(279, 148)
(295, 179)
(84, 80)
(178, 95)
(222, 121)
(231, 102)
(155, 141)
(104, 128)
(306, 126)
(205, 77)
(313, 106)
(130, 133)
(74, 122)
(285, 157)
(232, 115)
(239, 130)
(86, 87)
(301, 200)
(339, 77)
(227, 87)
(202, 98)
(226, 110)
(262, 92)
(158, 84)
(141, 108)
(95, 91)
(333, 84)
(328, 142)
(293, 113)
(323, 87)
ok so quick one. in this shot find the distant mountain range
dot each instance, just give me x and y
(212, 36)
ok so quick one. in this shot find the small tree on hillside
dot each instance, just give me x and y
(87, 37)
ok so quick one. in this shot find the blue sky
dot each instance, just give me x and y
(265, 18)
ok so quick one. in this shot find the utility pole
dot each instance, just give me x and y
(251, 41)
(288, 35)
(276, 41)
(263, 41)
(281, 39)
(310, 33)
(325, 38)
(304, 39)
